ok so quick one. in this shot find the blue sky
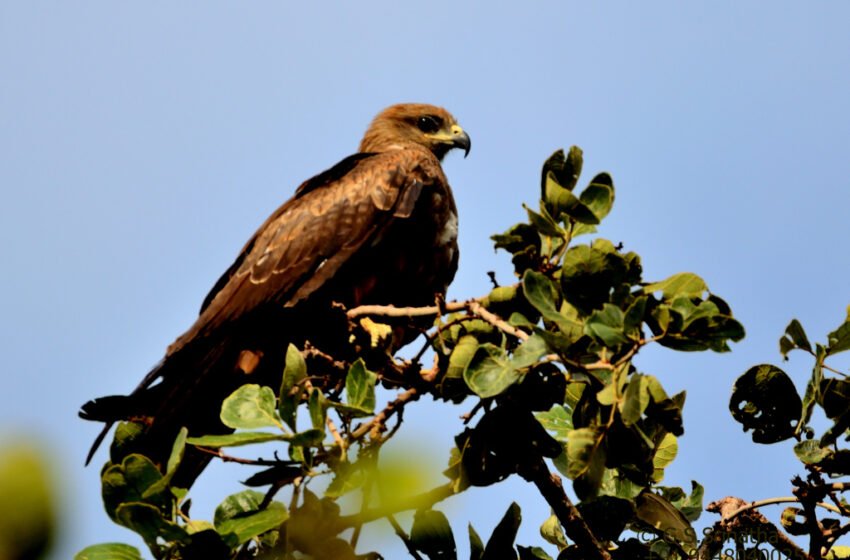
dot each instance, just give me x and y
(142, 144)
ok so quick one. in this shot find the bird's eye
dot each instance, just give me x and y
(429, 123)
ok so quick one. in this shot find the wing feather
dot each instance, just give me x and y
(306, 241)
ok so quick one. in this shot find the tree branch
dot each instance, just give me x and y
(550, 487)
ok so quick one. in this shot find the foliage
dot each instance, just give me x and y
(547, 365)
(765, 400)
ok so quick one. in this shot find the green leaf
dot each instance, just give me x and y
(765, 400)
(501, 543)
(318, 407)
(544, 223)
(565, 168)
(249, 526)
(794, 337)
(657, 512)
(250, 407)
(683, 284)
(591, 273)
(606, 326)
(176, 453)
(432, 535)
(462, 354)
(582, 444)
(839, 339)
(130, 481)
(561, 201)
(476, 546)
(360, 388)
(235, 440)
(491, 371)
(294, 373)
(243, 502)
(542, 294)
(665, 452)
(635, 400)
(109, 551)
(553, 533)
(347, 477)
(557, 420)
(599, 195)
(810, 452)
(148, 521)
(308, 438)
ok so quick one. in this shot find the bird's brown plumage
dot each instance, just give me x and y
(379, 227)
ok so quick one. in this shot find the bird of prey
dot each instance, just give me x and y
(379, 227)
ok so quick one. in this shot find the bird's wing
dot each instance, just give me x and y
(305, 242)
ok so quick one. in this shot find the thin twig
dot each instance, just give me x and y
(230, 459)
(425, 500)
(552, 489)
(478, 309)
(403, 536)
(779, 500)
(377, 422)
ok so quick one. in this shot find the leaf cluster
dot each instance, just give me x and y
(548, 365)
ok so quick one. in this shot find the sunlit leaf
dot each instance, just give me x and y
(250, 407)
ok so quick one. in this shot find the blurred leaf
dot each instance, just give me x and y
(765, 400)
(249, 407)
(347, 477)
(491, 371)
(838, 553)
(27, 509)
(432, 535)
(690, 505)
(109, 551)
(294, 373)
(250, 525)
(599, 197)
(684, 284)
(501, 543)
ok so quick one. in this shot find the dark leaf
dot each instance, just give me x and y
(794, 337)
(432, 535)
(764, 400)
(501, 543)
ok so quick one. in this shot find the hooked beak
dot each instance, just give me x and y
(460, 139)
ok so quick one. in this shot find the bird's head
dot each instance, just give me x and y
(418, 123)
